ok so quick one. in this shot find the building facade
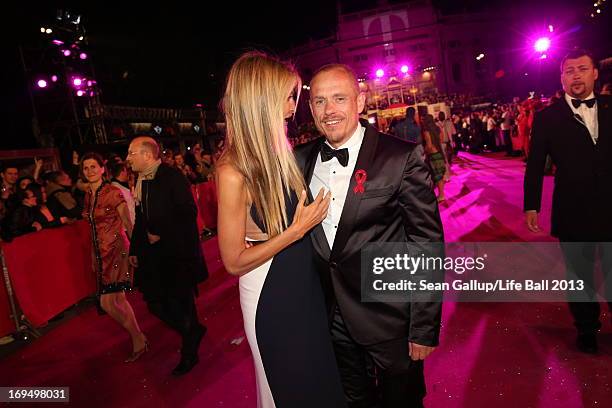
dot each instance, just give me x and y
(409, 49)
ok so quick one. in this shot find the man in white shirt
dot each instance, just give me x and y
(381, 192)
(577, 134)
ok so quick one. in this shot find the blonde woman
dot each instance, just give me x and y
(262, 197)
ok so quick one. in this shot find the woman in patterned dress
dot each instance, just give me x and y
(111, 227)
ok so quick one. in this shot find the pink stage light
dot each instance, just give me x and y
(83, 56)
(58, 42)
(54, 78)
(41, 83)
(380, 73)
(80, 93)
(67, 53)
(404, 69)
(89, 83)
(542, 44)
(77, 81)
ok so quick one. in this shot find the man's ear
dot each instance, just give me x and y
(361, 100)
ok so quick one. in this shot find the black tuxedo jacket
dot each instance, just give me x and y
(583, 177)
(175, 264)
(398, 205)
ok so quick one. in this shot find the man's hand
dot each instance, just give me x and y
(531, 217)
(36, 226)
(153, 238)
(419, 352)
(133, 261)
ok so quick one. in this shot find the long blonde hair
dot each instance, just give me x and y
(257, 89)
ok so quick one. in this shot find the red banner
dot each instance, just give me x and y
(206, 198)
(50, 270)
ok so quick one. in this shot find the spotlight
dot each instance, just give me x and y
(89, 83)
(41, 83)
(48, 31)
(77, 81)
(54, 78)
(67, 53)
(542, 44)
(543, 56)
(42, 30)
(83, 56)
(80, 93)
(380, 73)
(551, 28)
(57, 42)
(404, 69)
(81, 38)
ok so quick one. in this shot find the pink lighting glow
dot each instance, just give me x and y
(404, 69)
(542, 44)
(380, 73)
(77, 81)
(67, 53)
(41, 83)
(54, 78)
(83, 56)
(58, 42)
(80, 93)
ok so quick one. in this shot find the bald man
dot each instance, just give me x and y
(165, 247)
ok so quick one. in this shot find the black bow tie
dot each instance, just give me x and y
(327, 153)
(588, 102)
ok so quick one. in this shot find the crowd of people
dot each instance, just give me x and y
(33, 199)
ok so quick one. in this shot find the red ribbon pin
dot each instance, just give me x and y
(360, 177)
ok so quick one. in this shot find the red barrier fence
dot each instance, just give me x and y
(50, 271)
(206, 199)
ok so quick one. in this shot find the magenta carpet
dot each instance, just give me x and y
(491, 354)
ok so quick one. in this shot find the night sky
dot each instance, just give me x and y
(177, 55)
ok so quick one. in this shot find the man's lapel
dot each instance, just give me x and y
(568, 115)
(353, 199)
(603, 119)
(319, 240)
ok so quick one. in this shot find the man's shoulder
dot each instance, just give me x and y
(394, 145)
(302, 151)
(169, 174)
(551, 112)
(605, 100)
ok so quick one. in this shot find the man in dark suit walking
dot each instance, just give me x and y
(576, 133)
(165, 247)
(381, 192)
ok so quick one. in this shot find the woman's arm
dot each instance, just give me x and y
(126, 219)
(231, 224)
(429, 147)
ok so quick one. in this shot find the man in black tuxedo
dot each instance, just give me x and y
(379, 346)
(165, 247)
(576, 133)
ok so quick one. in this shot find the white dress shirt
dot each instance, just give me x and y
(332, 176)
(588, 115)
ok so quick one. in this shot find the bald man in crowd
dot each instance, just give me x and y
(165, 247)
